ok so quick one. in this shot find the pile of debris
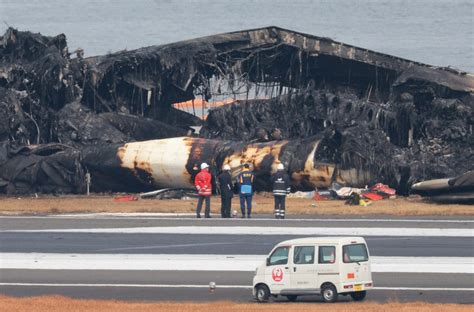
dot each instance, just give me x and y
(363, 116)
(354, 195)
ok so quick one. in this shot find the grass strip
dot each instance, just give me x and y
(262, 204)
(60, 303)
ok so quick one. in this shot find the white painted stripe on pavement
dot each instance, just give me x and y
(424, 288)
(124, 285)
(179, 216)
(205, 262)
(128, 214)
(207, 286)
(266, 230)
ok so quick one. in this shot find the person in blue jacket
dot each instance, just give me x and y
(245, 184)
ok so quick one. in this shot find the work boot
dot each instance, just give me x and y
(248, 217)
(198, 216)
(242, 217)
(208, 216)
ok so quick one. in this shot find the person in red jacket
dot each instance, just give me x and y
(202, 181)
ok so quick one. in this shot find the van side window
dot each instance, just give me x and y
(279, 256)
(303, 255)
(354, 253)
(327, 254)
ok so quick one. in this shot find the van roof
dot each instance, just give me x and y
(324, 240)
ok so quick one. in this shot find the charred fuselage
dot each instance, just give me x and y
(339, 113)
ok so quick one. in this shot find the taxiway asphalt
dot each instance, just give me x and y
(103, 236)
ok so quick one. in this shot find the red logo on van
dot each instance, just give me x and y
(277, 274)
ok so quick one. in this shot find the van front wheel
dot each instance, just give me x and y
(359, 295)
(329, 293)
(262, 293)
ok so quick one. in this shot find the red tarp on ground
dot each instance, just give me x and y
(372, 196)
(379, 187)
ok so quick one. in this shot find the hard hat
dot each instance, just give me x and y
(226, 167)
(204, 166)
(280, 167)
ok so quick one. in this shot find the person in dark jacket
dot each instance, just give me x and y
(281, 187)
(245, 182)
(225, 182)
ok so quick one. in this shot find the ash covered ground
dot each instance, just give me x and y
(385, 118)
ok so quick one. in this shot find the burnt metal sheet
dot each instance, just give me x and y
(173, 71)
(51, 168)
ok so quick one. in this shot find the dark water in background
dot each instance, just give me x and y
(438, 32)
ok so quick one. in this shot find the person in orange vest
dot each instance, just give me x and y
(202, 181)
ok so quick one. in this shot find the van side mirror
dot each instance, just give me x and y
(268, 261)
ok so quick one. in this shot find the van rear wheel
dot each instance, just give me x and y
(262, 293)
(292, 297)
(358, 295)
(329, 293)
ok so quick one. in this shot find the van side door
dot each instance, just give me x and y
(303, 270)
(327, 268)
(277, 271)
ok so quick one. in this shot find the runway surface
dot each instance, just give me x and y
(174, 257)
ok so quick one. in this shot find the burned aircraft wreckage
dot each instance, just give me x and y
(330, 112)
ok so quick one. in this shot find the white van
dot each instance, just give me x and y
(325, 266)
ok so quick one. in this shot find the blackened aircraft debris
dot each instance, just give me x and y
(448, 190)
(331, 112)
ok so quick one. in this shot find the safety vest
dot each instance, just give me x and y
(245, 181)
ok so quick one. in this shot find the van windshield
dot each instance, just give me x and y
(355, 253)
(279, 256)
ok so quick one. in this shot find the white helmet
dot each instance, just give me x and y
(280, 167)
(204, 166)
(226, 167)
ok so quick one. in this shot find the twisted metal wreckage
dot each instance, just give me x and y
(331, 112)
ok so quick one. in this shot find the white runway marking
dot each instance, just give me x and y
(165, 246)
(424, 288)
(123, 285)
(269, 230)
(190, 216)
(207, 286)
(204, 262)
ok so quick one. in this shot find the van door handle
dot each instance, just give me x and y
(294, 269)
(286, 268)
